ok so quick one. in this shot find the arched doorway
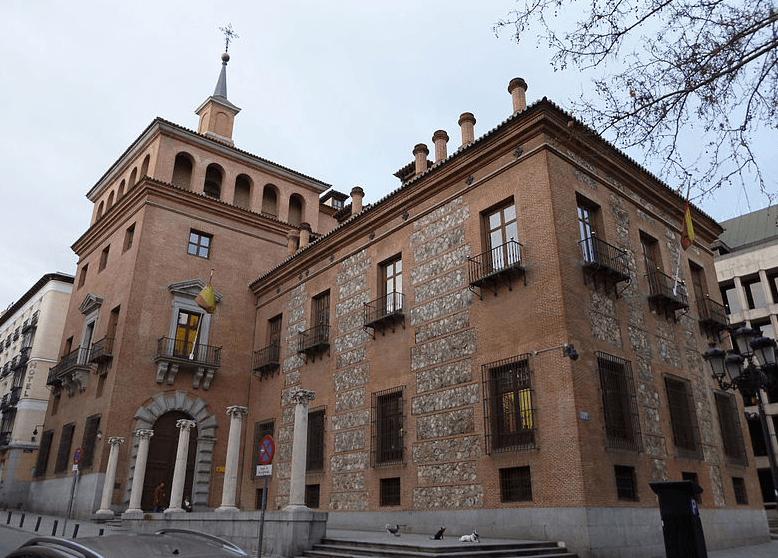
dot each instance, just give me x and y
(162, 458)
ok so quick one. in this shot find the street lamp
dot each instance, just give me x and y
(750, 369)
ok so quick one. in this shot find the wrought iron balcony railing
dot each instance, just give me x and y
(713, 316)
(76, 359)
(267, 359)
(314, 340)
(182, 351)
(605, 259)
(385, 310)
(500, 263)
(102, 350)
(668, 293)
(5, 438)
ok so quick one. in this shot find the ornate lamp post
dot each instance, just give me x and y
(750, 369)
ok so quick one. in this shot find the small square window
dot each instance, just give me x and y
(626, 487)
(104, 258)
(390, 491)
(740, 490)
(312, 495)
(199, 244)
(690, 476)
(515, 484)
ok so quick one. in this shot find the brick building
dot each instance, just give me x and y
(500, 343)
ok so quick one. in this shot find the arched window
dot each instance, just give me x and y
(100, 210)
(213, 181)
(121, 190)
(295, 210)
(133, 178)
(182, 171)
(242, 191)
(269, 200)
(144, 168)
(110, 201)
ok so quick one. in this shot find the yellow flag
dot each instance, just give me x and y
(207, 298)
(687, 231)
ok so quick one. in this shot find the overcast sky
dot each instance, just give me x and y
(339, 90)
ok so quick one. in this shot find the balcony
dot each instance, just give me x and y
(102, 351)
(5, 438)
(174, 355)
(266, 361)
(72, 371)
(500, 264)
(604, 263)
(713, 316)
(314, 341)
(666, 294)
(21, 359)
(384, 311)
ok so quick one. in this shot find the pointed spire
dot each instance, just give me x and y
(221, 83)
(217, 114)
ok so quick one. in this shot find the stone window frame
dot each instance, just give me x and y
(387, 427)
(510, 377)
(683, 418)
(619, 403)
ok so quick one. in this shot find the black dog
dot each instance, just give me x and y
(439, 535)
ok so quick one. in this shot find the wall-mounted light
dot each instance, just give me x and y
(568, 350)
(35, 432)
(99, 434)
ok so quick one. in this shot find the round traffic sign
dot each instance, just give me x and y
(77, 455)
(266, 450)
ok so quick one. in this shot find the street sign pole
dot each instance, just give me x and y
(267, 449)
(77, 455)
(262, 516)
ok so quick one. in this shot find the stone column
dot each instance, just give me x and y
(144, 435)
(110, 477)
(299, 447)
(233, 455)
(179, 473)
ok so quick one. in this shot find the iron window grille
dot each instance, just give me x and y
(622, 420)
(387, 427)
(312, 495)
(515, 484)
(315, 452)
(509, 410)
(739, 486)
(686, 436)
(390, 491)
(731, 434)
(626, 487)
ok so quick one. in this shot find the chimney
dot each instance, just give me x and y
(517, 88)
(292, 240)
(440, 138)
(467, 122)
(421, 152)
(305, 234)
(357, 194)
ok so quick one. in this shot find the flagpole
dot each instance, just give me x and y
(680, 240)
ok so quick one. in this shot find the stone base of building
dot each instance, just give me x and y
(287, 532)
(51, 496)
(588, 532)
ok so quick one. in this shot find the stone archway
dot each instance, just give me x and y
(207, 424)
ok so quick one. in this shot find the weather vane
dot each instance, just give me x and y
(229, 35)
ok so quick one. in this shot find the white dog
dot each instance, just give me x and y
(472, 537)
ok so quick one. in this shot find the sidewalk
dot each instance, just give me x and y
(48, 525)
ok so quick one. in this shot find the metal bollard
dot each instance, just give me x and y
(8, 521)
(75, 531)
(54, 529)
(38, 524)
(100, 533)
(21, 522)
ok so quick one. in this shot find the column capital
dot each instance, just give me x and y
(237, 411)
(185, 424)
(116, 440)
(303, 396)
(143, 433)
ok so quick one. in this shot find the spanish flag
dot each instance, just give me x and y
(687, 231)
(207, 298)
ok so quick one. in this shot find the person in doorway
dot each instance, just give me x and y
(159, 498)
(187, 505)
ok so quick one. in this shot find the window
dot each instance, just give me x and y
(82, 276)
(392, 285)
(312, 492)
(626, 487)
(690, 476)
(387, 407)
(390, 491)
(103, 258)
(731, 299)
(755, 295)
(729, 422)
(698, 282)
(622, 426)
(649, 248)
(199, 244)
(772, 281)
(42, 461)
(739, 485)
(63, 453)
(515, 484)
(186, 332)
(213, 181)
(274, 330)
(502, 236)
(89, 441)
(510, 414)
(269, 200)
(320, 311)
(182, 171)
(129, 236)
(315, 454)
(587, 227)
(682, 417)
(261, 429)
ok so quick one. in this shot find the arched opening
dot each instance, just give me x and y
(295, 210)
(242, 191)
(270, 200)
(100, 210)
(144, 168)
(162, 458)
(121, 190)
(133, 178)
(182, 171)
(110, 201)
(213, 181)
